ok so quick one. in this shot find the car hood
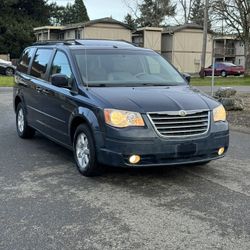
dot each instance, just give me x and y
(151, 99)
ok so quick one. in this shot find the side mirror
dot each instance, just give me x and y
(187, 77)
(60, 80)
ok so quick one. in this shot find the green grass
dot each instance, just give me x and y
(6, 81)
(221, 81)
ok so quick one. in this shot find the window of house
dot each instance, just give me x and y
(25, 60)
(77, 34)
(61, 36)
(40, 63)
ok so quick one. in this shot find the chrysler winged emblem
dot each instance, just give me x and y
(182, 113)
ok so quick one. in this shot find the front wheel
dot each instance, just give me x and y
(84, 151)
(223, 73)
(23, 130)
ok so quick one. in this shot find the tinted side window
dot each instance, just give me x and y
(61, 65)
(40, 63)
(23, 64)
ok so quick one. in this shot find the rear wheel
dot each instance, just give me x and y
(9, 72)
(84, 151)
(23, 130)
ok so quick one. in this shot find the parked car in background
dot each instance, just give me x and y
(225, 69)
(6, 68)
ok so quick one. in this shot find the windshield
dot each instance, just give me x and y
(125, 67)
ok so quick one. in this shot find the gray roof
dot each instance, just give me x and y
(173, 29)
(89, 23)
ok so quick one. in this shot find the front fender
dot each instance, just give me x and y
(91, 119)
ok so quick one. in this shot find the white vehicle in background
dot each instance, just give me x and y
(7, 68)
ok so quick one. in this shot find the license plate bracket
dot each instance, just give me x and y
(186, 149)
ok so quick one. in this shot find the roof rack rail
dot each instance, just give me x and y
(86, 42)
(55, 42)
(131, 43)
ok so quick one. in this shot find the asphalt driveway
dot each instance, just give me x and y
(46, 204)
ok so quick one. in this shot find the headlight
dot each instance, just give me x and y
(123, 119)
(219, 114)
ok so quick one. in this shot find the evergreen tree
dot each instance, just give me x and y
(197, 12)
(17, 20)
(75, 13)
(153, 12)
(56, 14)
(80, 11)
(130, 21)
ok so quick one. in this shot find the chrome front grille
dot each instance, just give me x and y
(180, 123)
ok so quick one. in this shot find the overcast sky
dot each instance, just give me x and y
(102, 8)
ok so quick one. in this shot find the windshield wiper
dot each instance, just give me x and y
(159, 84)
(97, 85)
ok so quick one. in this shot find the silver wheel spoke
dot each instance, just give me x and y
(82, 151)
(20, 120)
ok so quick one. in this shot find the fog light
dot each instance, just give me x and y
(221, 151)
(133, 159)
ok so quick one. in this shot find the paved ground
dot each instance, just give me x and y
(46, 204)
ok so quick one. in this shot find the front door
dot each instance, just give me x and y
(56, 103)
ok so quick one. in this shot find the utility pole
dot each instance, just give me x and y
(204, 45)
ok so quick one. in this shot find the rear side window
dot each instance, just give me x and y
(40, 63)
(25, 60)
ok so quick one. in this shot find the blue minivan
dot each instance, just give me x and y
(113, 103)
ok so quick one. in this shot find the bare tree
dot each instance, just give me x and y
(186, 6)
(236, 15)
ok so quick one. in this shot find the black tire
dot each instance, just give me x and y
(223, 73)
(9, 72)
(87, 166)
(23, 130)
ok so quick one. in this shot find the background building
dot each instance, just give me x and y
(148, 37)
(105, 28)
(182, 46)
(229, 49)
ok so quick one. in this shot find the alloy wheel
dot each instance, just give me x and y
(82, 151)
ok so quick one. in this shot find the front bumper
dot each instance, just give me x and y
(161, 152)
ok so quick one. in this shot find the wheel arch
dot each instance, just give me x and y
(83, 116)
(18, 99)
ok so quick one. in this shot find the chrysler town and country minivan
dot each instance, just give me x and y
(113, 103)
